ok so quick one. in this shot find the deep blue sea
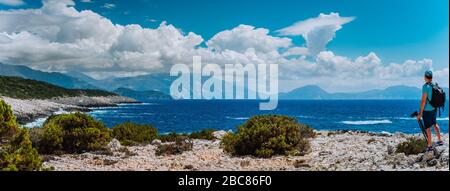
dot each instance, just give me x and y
(188, 115)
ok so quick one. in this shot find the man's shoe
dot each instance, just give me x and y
(439, 143)
(428, 149)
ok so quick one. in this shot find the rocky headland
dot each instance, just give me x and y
(28, 110)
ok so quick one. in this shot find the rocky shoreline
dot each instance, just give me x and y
(331, 151)
(28, 111)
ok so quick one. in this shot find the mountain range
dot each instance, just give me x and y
(142, 96)
(142, 88)
(393, 92)
(157, 86)
(54, 78)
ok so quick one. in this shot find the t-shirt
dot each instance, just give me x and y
(428, 89)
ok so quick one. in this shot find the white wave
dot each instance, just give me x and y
(237, 118)
(40, 121)
(305, 116)
(368, 122)
(37, 123)
(413, 118)
(442, 119)
(133, 104)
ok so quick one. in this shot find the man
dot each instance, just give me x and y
(428, 112)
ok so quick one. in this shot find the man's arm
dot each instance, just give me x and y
(422, 105)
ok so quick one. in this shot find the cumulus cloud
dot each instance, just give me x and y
(57, 37)
(12, 2)
(317, 32)
(244, 37)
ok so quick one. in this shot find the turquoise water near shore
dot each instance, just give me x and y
(188, 115)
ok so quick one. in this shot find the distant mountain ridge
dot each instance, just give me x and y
(143, 96)
(20, 88)
(317, 93)
(157, 86)
(54, 78)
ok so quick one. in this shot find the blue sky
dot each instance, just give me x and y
(378, 35)
(395, 29)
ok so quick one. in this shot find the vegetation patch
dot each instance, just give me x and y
(180, 145)
(268, 135)
(20, 88)
(16, 151)
(71, 133)
(134, 134)
(412, 146)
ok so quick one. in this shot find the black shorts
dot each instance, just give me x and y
(429, 118)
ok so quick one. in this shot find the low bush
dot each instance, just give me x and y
(134, 134)
(206, 134)
(268, 135)
(20, 155)
(171, 137)
(16, 151)
(71, 133)
(8, 124)
(180, 145)
(412, 146)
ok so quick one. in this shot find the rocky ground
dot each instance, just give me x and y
(331, 151)
(29, 110)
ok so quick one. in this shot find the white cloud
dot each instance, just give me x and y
(57, 37)
(317, 32)
(86, 1)
(244, 37)
(12, 2)
(109, 6)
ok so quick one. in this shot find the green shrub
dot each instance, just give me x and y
(134, 134)
(16, 151)
(206, 134)
(180, 145)
(171, 137)
(71, 133)
(268, 135)
(8, 124)
(20, 155)
(412, 146)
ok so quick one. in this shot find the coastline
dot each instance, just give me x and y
(27, 111)
(331, 151)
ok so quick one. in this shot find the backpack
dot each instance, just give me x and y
(437, 98)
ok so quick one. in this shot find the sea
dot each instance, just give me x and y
(185, 116)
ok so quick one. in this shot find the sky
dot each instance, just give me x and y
(371, 43)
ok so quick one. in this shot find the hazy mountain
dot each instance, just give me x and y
(306, 92)
(394, 92)
(143, 95)
(54, 78)
(156, 82)
(81, 76)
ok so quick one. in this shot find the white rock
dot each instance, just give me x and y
(156, 142)
(219, 134)
(114, 145)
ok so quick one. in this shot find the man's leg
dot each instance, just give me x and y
(430, 144)
(437, 131)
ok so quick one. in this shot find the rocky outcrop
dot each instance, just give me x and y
(29, 110)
